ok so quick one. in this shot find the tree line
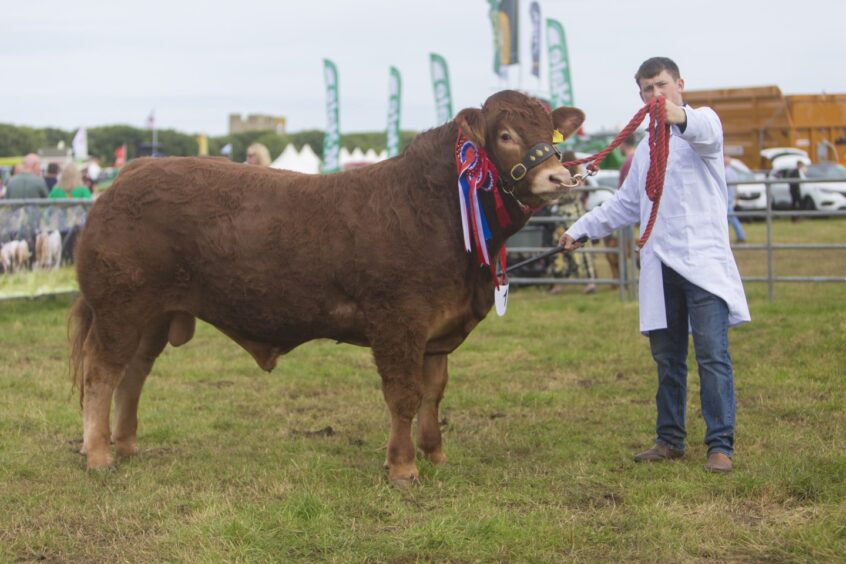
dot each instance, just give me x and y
(102, 141)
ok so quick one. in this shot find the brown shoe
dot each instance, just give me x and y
(718, 462)
(658, 453)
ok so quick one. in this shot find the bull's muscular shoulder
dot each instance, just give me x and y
(453, 326)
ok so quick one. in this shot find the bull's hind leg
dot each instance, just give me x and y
(102, 370)
(428, 428)
(128, 391)
(399, 359)
(176, 328)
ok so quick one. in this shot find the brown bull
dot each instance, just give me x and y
(372, 257)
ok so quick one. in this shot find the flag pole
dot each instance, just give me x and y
(151, 122)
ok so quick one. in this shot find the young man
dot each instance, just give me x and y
(688, 274)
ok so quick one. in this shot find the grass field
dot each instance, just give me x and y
(544, 409)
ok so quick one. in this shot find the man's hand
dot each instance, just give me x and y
(675, 114)
(569, 243)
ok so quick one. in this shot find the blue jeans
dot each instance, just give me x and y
(739, 233)
(708, 315)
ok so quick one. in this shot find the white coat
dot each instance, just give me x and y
(690, 234)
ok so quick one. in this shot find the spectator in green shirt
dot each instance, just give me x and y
(70, 184)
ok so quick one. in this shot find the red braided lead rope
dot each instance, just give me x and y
(659, 150)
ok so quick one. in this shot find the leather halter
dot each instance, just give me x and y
(534, 156)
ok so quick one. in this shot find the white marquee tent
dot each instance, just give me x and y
(299, 161)
(307, 161)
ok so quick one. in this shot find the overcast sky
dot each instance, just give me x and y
(84, 63)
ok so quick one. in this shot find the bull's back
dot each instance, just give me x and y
(191, 198)
(208, 216)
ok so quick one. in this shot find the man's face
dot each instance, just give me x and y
(662, 84)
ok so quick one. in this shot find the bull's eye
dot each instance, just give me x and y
(505, 136)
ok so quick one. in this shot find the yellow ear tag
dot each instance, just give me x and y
(557, 137)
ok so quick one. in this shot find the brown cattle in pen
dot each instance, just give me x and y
(273, 259)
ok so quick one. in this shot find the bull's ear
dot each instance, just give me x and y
(472, 123)
(567, 120)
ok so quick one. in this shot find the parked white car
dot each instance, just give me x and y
(827, 196)
(750, 197)
(602, 179)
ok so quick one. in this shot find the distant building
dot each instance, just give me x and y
(256, 122)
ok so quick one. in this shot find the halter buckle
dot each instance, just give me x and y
(518, 171)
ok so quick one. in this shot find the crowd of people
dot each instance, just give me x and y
(29, 180)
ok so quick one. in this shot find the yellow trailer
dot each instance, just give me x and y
(761, 117)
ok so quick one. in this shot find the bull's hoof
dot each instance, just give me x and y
(404, 476)
(100, 462)
(126, 448)
(436, 457)
(405, 483)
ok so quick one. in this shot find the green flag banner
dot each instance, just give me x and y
(560, 87)
(394, 97)
(332, 138)
(440, 83)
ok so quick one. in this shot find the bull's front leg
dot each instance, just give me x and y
(428, 427)
(400, 362)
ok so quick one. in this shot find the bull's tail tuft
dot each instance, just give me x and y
(80, 320)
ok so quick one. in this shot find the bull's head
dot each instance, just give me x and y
(508, 127)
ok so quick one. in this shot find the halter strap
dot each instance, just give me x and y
(534, 156)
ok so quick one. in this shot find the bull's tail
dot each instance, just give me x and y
(80, 319)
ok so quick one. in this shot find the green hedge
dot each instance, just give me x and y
(102, 141)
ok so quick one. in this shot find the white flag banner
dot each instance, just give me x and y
(440, 84)
(80, 144)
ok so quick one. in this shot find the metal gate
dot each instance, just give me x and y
(628, 280)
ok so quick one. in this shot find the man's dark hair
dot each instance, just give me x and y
(53, 168)
(654, 66)
(630, 141)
